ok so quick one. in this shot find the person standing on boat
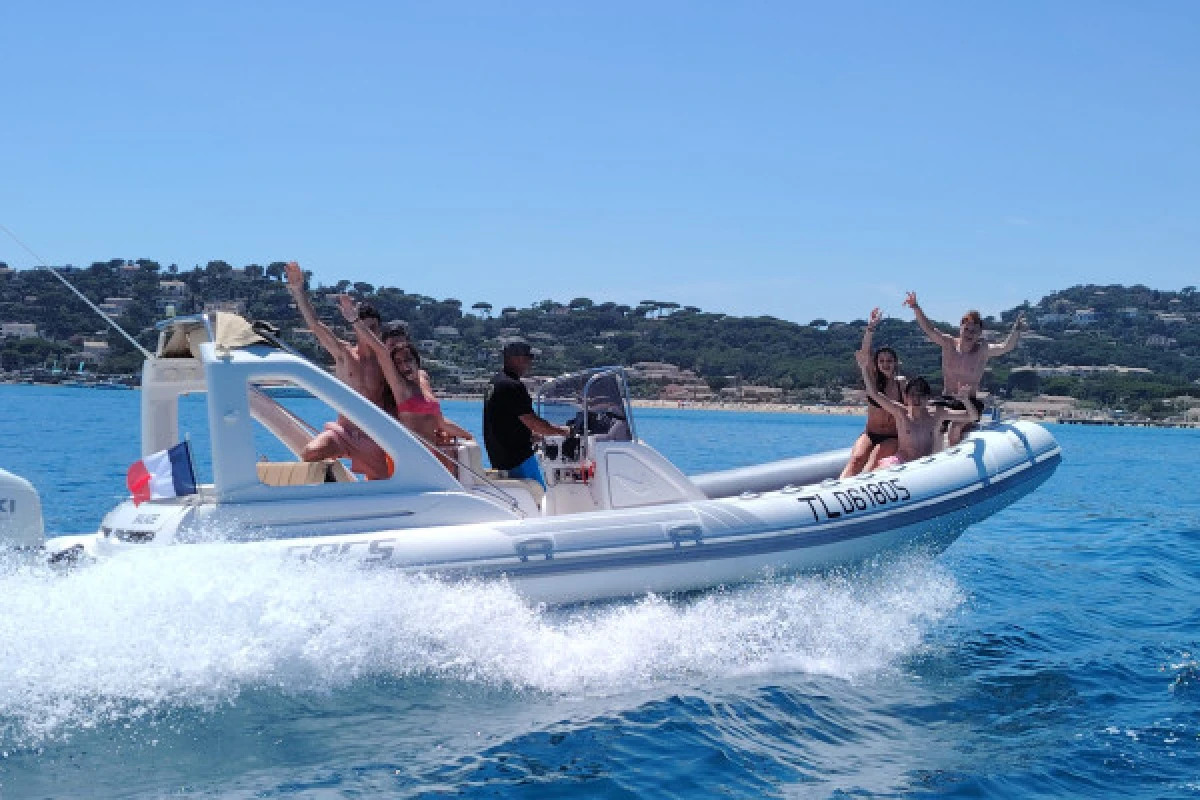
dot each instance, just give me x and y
(879, 440)
(509, 423)
(964, 357)
(358, 368)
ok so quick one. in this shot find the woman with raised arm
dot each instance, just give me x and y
(879, 439)
(415, 408)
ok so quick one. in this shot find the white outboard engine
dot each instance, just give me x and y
(20, 513)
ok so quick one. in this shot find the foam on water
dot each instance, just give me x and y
(194, 626)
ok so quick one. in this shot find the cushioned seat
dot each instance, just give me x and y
(302, 473)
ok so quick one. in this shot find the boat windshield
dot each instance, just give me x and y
(594, 401)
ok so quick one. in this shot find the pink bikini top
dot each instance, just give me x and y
(419, 405)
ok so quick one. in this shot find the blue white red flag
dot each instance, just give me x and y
(167, 473)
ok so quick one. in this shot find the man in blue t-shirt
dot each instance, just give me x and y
(508, 419)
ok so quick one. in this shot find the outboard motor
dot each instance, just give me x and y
(20, 513)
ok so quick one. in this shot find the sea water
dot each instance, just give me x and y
(1053, 650)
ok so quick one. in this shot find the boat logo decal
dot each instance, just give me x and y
(8, 505)
(831, 505)
(372, 550)
(145, 519)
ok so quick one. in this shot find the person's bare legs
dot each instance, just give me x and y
(858, 456)
(956, 433)
(322, 446)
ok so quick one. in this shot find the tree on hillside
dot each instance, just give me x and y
(483, 308)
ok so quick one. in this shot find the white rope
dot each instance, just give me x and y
(41, 262)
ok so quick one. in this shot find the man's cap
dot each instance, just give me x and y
(394, 329)
(518, 348)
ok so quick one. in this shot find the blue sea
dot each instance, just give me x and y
(1052, 651)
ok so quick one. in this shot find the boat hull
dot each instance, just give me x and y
(683, 546)
(694, 546)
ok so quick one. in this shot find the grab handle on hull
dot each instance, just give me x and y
(541, 546)
(681, 533)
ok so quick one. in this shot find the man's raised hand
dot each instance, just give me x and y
(295, 275)
(910, 300)
(348, 309)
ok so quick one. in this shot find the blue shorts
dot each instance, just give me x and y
(529, 469)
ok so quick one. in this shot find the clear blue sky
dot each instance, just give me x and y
(798, 160)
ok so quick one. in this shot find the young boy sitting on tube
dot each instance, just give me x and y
(918, 422)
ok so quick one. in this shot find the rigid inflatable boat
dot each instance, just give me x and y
(616, 518)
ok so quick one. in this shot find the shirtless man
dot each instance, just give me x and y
(964, 357)
(918, 422)
(356, 366)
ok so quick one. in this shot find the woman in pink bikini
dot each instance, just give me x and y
(406, 397)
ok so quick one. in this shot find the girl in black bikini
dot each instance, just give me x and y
(879, 439)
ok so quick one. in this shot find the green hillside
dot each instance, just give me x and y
(1083, 326)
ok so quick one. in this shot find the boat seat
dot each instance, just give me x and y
(528, 484)
(302, 473)
(518, 488)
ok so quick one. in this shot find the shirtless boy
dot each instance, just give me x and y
(357, 367)
(918, 422)
(964, 357)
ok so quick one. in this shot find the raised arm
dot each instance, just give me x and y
(931, 331)
(886, 403)
(400, 390)
(868, 338)
(1014, 338)
(327, 338)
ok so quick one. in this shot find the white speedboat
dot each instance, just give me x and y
(616, 519)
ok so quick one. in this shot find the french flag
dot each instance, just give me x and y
(167, 473)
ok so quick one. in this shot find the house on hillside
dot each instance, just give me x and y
(1053, 318)
(171, 294)
(114, 307)
(655, 371)
(687, 392)
(18, 330)
(1084, 316)
(231, 306)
